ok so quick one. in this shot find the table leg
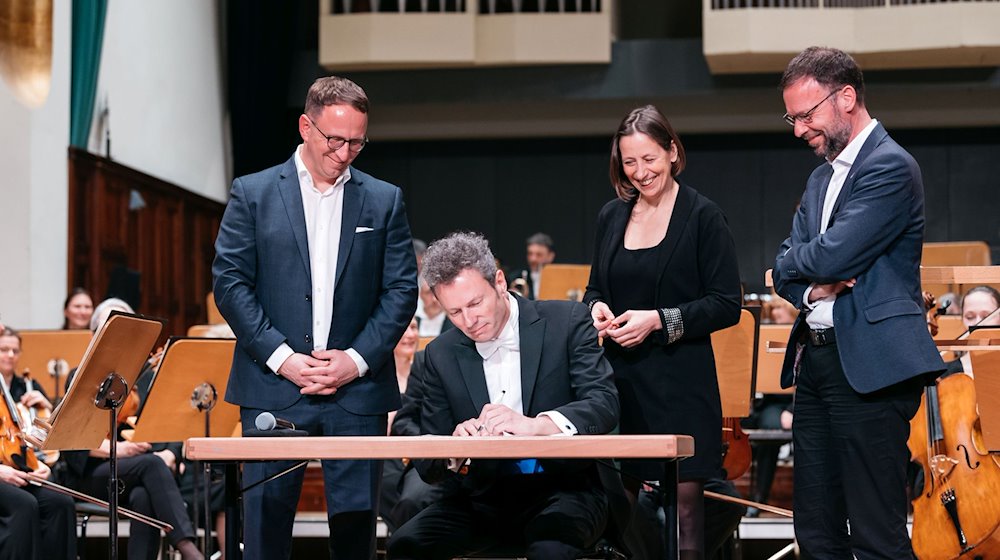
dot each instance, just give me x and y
(668, 486)
(234, 517)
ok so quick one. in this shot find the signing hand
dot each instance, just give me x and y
(632, 327)
(291, 368)
(325, 380)
(35, 398)
(498, 419)
(470, 428)
(820, 291)
(602, 316)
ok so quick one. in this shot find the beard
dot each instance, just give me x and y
(837, 136)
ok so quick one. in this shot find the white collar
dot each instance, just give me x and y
(305, 178)
(851, 151)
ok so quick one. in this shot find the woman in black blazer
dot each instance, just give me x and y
(664, 277)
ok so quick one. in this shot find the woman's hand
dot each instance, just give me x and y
(12, 476)
(632, 327)
(602, 316)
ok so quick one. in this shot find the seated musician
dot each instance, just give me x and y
(404, 493)
(979, 309)
(34, 522)
(433, 319)
(147, 475)
(475, 385)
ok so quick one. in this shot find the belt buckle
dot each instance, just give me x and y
(821, 337)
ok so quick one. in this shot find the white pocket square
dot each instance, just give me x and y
(362, 229)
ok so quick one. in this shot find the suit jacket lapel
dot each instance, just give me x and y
(815, 216)
(532, 332)
(613, 242)
(675, 229)
(354, 200)
(874, 139)
(471, 365)
(291, 196)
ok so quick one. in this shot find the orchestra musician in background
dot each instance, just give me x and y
(35, 523)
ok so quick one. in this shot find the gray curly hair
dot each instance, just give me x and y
(458, 251)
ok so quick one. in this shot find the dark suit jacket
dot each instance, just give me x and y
(407, 420)
(562, 369)
(263, 286)
(709, 298)
(875, 235)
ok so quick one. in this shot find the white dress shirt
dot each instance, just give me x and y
(502, 367)
(821, 314)
(324, 213)
(536, 282)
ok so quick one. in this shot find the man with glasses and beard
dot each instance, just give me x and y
(859, 352)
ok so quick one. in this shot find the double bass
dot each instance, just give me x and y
(956, 511)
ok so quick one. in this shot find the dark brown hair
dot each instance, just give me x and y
(75, 292)
(650, 121)
(334, 90)
(830, 67)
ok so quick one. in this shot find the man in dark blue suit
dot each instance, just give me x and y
(860, 351)
(315, 273)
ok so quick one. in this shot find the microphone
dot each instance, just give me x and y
(266, 422)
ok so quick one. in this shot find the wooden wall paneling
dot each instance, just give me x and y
(169, 241)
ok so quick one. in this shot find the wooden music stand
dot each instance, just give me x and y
(735, 350)
(109, 369)
(170, 412)
(769, 363)
(986, 366)
(50, 355)
(423, 342)
(564, 281)
(184, 402)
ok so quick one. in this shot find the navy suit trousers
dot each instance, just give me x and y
(352, 487)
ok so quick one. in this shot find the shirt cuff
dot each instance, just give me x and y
(673, 323)
(805, 298)
(455, 465)
(358, 360)
(565, 426)
(279, 356)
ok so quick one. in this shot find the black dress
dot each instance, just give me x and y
(670, 387)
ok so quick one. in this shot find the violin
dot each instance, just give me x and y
(14, 451)
(29, 414)
(956, 512)
(736, 452)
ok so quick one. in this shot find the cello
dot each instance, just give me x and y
(736, 452)
(956, 512)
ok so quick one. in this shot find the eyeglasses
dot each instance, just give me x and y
(806, 118)
(336, 142)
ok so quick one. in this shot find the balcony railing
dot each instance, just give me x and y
(757, 36)
(397, 34)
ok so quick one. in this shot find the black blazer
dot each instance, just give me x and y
(407, 420)
(698, 270)
(562, 369)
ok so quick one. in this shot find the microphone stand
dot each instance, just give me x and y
(110, 396)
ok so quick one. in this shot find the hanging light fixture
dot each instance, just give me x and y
(26, 49)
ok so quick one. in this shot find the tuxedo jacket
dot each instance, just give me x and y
(562, 369)
(875, 234)
(263, 286)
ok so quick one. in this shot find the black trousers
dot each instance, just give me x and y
(850, 462)
(36, 523)
(541, 516)
(404, 494)
(150, 488)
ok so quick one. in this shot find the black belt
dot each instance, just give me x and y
(822, 337)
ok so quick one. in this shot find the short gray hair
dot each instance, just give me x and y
(447, 257)
(543, 239)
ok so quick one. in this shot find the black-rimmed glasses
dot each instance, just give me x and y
(336, 142)
(806, 118)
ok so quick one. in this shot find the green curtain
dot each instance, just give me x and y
(88, 37)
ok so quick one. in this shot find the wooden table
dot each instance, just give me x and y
(235, 450)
